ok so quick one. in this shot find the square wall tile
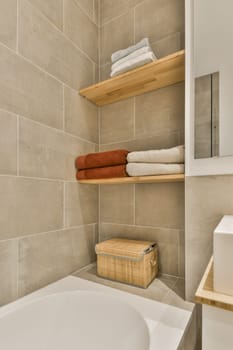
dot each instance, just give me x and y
(160, 111)
(8, 143)
(117, 204)
(8, 271)
(44, 45)
(160, 205)
(157, 19)
(52, 9)
(81, 116)
(48, 257)
(26, 90)
(81, 204)
(117, 121)
(29, 206)
(46, 152)
(8, 22)
(75, 20)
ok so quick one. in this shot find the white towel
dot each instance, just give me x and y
(125, 52)
(170, 155)
(147, 169)
(134, 63)
(134, 54)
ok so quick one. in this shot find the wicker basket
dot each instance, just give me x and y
(128, 261)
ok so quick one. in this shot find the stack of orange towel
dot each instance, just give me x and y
(102, 165)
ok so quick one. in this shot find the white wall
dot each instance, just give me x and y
(212, 20)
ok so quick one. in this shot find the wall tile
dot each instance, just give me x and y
(75, 20)
(8, 21)
(115, 35)
(52, 9)
(160, 205)
(117, 204)
(48, 257)
(158, 18)
(87, 6)
(117, 121)
(167, 240)
(46, 152)
(111, 9)
(160, 111)
(81, 116)
(208, 198)
(168, 45)
(47, 47)
(29, 206)
(96, 14)
(81, 204)
(27, 91)
(8, 143)
(8, 271)
(105, 71)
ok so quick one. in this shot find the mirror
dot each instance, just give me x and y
(213, 71)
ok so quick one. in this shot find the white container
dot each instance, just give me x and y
(223, 256)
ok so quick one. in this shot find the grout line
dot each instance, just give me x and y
(145, 226)
(37, 178)
(31, 235)
(17, 145)
(114, 18)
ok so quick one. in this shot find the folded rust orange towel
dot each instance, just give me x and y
(101, 159)
(102, 173)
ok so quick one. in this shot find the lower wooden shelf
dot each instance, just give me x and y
(135, 180)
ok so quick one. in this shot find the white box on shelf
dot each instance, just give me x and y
(223, 256)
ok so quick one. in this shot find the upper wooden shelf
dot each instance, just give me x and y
(152, 76)
(206, 295)
(135, 180)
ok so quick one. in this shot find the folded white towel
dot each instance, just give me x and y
(134, 63)
(125, 52)
(134, 54)
(147, 169)
(170, 155)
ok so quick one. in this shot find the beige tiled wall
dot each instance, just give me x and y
(48, 223)
(153, 120)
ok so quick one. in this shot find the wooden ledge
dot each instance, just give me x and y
(206, 295)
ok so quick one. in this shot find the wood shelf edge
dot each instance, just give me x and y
(136, 180)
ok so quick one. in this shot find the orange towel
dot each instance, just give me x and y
(102, 173)
(102, 159)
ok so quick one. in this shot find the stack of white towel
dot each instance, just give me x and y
(156, 162)
(132, 57)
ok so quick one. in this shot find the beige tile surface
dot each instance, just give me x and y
(81, 116)
(160, 111)
(117, 204)
(117, 121)
(116, 35)
(87, 6)
(168, 45)
(40, 42)
(52, 9)
(96, 14)
(8, 22)
(208, 198)
(111, 9)
(29, 206)
(8, 271)
(156, 19)
(8, 143)
(167, 240)
(105, 71)
(46, 152)
(160, 205)
(75, 20)
(81, 204)
(48, 257)
(27, 91)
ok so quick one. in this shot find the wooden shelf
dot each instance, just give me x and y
(206, 295)
(135, 180)
(163, 72)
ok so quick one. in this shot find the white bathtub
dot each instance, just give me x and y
(77, 314)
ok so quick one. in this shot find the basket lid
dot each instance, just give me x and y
(124, 247)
